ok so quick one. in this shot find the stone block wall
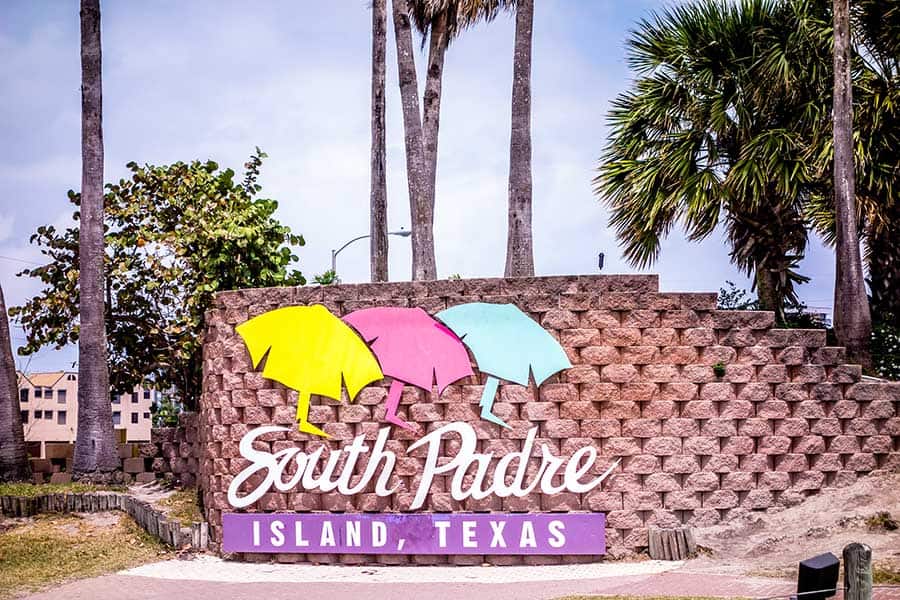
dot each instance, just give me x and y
(173, 453)
(787, 418)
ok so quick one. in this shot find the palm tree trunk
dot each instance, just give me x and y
(378, 194)
(95, 446)
(421, 210)
(767, 293)
(13, 459)
(431, 102)
(852, 320)
(519, 251)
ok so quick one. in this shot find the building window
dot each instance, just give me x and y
(134, 397)
(117, 418)
(146, 394)
(48, 415)
(24, 416)
(134, 418)
(38, 414)
(60, 396)
(116, 398)
(37, 392)
(48, 393)
(70, 377)
(23, 395)
(61, 417)
(146, 415)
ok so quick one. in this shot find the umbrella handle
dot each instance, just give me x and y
(487, 401)
(393, 402)
(303, 424)
(490, 390)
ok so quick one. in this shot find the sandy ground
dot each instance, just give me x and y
(772, 543)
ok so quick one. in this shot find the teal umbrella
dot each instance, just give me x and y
(507, 344)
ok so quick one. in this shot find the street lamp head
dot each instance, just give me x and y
(401, 233)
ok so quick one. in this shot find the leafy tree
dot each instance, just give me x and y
(96, 454)
(329, 277)
(175, 235)
(165, 412)
(733, 298)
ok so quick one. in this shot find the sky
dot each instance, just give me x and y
(215, 79)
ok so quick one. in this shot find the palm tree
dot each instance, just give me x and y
(420, 202)
(852, 320)
(519, 250)
(13, 458)
(378, 195)
(875, 61)
(439, 22)
(435, 20)
(697, 141)
(96, 454)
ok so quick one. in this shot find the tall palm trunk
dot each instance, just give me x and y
(95, 444)
(519, 251)
(852, 320)
(378, 194)
(13, 459)
(421, 210)
(439, 39)
(767, 294)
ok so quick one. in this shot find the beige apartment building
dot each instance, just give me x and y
(49, 404)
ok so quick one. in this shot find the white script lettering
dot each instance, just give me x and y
(314, 473)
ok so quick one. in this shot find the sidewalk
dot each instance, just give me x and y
(210, 578)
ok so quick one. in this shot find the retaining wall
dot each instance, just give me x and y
(787, 418)
(173, 453)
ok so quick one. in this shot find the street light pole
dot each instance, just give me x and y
(334, 253)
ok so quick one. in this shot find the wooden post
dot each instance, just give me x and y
(671, 544)
(857, 572)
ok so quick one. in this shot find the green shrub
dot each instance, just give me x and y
(165, 413)
(886, 349)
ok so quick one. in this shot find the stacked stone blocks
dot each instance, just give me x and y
(787, 418)
(173, 453)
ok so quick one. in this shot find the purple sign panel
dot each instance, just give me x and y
(415, 533)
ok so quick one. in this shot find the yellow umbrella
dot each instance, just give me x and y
(311, 351)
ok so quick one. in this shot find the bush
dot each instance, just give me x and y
(165, 413)
(886, 349)
(733, 298)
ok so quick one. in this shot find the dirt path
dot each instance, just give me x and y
(772, 543)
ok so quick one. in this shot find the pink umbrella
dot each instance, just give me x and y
(412, 348)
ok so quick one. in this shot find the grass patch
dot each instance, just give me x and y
(183, 506)
(886, 574)
(53, 548)
(31, 490)
(882, 521)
